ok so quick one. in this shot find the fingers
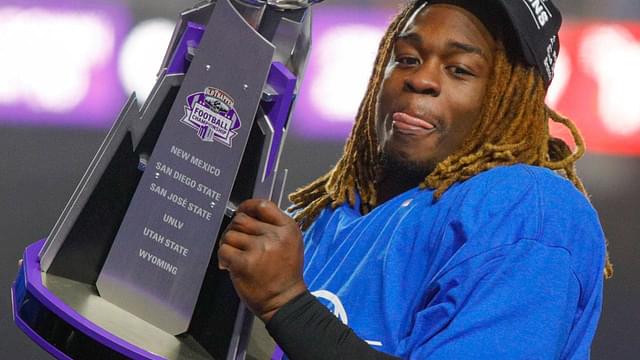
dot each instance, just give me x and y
(246, 224)
(265, 211)
(238, 240)
(242, 234)
(230, 258)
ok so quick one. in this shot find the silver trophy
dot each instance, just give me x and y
(129, 269)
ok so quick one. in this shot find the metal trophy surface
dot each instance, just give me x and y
(129, 269)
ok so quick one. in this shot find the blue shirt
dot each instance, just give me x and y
(506, 265)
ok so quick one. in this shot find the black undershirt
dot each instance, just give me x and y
(306, 330)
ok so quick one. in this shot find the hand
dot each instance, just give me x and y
(263, 252)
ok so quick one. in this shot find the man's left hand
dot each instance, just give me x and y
(263, 252)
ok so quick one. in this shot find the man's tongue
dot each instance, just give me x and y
(407, 122)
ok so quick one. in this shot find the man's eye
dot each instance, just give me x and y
(460, 71)
(407, 60)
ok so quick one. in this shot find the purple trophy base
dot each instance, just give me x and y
(33, 304)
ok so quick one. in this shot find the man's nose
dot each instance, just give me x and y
(425, 80)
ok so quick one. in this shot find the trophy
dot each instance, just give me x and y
(129, 270)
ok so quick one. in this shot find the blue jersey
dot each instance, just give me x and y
(506, 265)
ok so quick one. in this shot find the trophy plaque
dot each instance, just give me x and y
(129, 269)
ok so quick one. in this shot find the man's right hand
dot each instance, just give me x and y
(263, 252)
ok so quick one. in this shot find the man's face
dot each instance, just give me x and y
(434, 86)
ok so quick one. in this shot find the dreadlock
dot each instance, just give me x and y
(515, 95)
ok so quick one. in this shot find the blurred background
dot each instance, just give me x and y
(67, 67)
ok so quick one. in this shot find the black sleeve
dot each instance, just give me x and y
(305, 330)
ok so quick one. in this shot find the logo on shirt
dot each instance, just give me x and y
(539, 11)
(333, 303)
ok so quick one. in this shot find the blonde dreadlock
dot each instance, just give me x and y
(515, 95)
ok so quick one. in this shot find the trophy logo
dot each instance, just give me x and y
(213, 115)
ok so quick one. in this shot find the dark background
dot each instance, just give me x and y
(39, 169)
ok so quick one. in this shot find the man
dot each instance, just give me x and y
(443, 232)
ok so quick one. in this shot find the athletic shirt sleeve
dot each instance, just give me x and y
(526, 284)
(515, 302)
